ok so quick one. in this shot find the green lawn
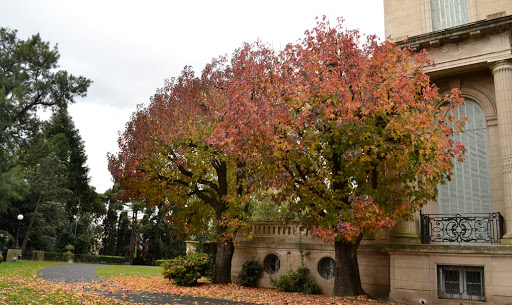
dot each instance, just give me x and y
(23, 268)
(112, 271)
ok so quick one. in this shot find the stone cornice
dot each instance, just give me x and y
(474, 30)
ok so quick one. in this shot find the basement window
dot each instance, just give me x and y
(326, 268)
(461, 282)
(272, 264)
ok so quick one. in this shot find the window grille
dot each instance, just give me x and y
(469, 190)
(326, 268)
(461, 282)
(272, 264)
(448, 13)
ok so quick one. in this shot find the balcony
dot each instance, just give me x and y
(461, 228)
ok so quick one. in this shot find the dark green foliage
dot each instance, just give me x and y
(251, 272)
(186, 270)
(60, 131)
(5, 240)
(157, 240)
(296, 281)
(68, 255)
(30, 80)
(110, 228)
(123, 234)
(210, 248)
(42, 164)
(12, 185)
(81, 232)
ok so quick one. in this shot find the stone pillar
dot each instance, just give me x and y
(502, 71)
(407, 232)
(13, 255)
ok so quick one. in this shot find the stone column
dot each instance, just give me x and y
(502, 71)
(407, 232)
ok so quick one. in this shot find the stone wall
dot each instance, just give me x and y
(413, 272)
(283, 241)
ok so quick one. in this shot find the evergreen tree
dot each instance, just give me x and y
(109, 240)
(29, 80)
(60, 130)
(45, 174)
(159, 239)
(123, 234)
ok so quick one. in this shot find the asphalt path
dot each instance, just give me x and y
(86, 273)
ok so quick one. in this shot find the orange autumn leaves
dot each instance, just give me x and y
(236, 293)
(350, 133)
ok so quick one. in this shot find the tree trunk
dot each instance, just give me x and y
(133, 238)
(225, 250)
(347, 281)
(29, 229)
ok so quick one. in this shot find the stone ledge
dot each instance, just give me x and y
(452, 249)
(383, 247)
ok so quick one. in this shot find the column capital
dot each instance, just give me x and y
(500, 65)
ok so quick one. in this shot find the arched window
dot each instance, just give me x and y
(469, 190)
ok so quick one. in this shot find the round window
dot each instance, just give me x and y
(272, 264)
(326, 268)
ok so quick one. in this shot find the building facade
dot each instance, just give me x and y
(458, 250)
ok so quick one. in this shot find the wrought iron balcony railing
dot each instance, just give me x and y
(461, 228)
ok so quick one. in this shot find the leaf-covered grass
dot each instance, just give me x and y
(20, 285)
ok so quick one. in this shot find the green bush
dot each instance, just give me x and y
(69, 255)
(296, 281)
(251, 272)
(209, 248)
(186, 270)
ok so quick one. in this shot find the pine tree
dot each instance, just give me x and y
(60, 130)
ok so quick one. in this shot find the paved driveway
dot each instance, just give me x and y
(86, 273)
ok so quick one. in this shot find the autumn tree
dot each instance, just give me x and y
(364, 138)
(164, 157)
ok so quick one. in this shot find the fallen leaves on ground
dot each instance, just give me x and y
(231, 292)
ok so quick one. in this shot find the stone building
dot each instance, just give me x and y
(459, 249)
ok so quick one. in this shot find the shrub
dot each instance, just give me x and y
(209, 248)
(186, 270)
(296, 281)
(251, 272)
(69, 255)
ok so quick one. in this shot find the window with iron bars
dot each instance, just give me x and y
(460, 282)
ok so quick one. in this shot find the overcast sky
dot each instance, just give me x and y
(128, 48)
